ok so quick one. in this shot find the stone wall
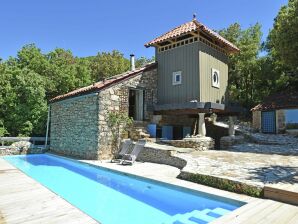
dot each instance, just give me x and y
(79, 125)
(199, 143)
(227, 141)
(8, 151)
(115, 98)
(161, 154)
(216, 132)
(280, 121)
(256, 120)
(74, 127)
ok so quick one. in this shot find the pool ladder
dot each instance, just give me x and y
(197, 217)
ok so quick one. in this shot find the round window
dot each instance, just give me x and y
(215, 77)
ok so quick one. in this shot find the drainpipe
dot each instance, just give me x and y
(47, 132)
(132, 62)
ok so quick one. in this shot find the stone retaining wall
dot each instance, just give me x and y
(154, 154)
(199, 144)
(14, 151)
(227, 141)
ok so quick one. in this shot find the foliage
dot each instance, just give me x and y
(32, 78)
(282, 42)
(244, 66)
(24, 102)
(3, 130)
(223, 184)
(107, 64)
(140, 62)
(118, 122)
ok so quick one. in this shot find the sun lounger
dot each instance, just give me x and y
(124, 150)
(131, 157)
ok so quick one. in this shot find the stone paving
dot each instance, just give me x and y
(250, 168)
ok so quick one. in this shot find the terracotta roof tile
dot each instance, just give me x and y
(185, 28)
(103, 84)
(278, 101)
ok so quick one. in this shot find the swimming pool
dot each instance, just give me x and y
(112, 197)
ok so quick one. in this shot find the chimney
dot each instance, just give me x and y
(132, 62)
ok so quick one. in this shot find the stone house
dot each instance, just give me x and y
(277, 113)
(188, 81)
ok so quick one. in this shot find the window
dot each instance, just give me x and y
(215, 78)
(177, 78)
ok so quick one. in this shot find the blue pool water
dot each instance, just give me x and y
(112, 197)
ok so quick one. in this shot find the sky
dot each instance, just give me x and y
(89, 26)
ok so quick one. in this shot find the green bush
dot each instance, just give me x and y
(224, 184)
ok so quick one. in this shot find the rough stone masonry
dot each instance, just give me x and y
(79, 124)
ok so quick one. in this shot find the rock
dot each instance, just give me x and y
(22, 145)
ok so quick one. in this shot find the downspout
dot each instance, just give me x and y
(48, 122)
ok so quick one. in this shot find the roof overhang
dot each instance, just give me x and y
(193, 27)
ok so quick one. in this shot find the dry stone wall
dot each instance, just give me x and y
(79, 125)
(115, 98)
(74, 127)
(197, 143)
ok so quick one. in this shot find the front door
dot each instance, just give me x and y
(136, 104)
(268, 122)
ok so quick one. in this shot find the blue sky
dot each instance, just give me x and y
(88, 26)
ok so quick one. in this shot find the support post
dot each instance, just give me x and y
(231, 126)
(47, 131)
(202, 127)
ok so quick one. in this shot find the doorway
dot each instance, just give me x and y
(268, 122)
(136, 104)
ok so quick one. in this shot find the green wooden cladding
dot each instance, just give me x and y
(195, 61)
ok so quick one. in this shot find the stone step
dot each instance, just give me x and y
(197, 217)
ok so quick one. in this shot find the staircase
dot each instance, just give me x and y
(139, 131)
(197, 217)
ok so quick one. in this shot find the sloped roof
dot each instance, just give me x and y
(278, 101)
(103, 84)
(188, 27)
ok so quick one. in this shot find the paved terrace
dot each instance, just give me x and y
(254, 169)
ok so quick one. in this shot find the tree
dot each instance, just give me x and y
(243, 66)
(29, 80)
(65, 73)
(3, 130)
(142, 61)
(107, 64)
(282, 42)
(24, 109)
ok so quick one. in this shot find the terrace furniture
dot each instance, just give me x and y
(131, 157)
(124, 150)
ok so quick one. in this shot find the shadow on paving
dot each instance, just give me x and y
(274, 174)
